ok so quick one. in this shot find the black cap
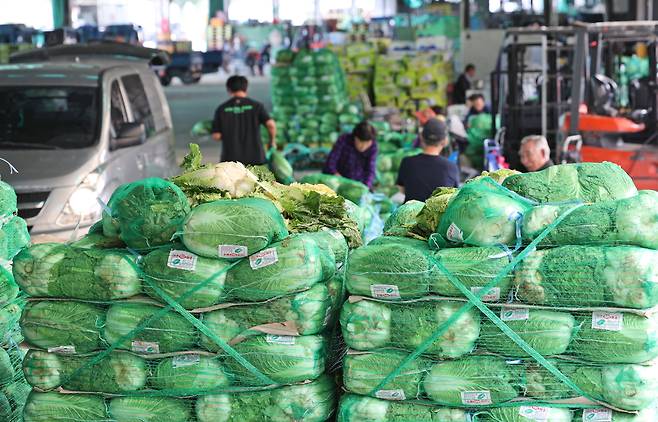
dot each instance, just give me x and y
(434, 130)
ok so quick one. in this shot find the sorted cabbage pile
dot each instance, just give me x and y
(210, 312)
(14, 236)
(533, 299)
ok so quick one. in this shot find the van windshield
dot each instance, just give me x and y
(58, 117)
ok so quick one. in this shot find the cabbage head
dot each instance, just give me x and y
(356, 408)
(481, 214)
(370, 325)
(400, 241)
(617, 276)
(8, 287)
(48, 407)
(176, 280)
(635, 341)
(332, 240)
(447, 380)
(588, 182)
(473, 267)
(429, 217)
(311, 402)
(362, 373)
(290, 266)
(14, 236)
(149, 409)
(305, 312)
(62, 271)
(548, 332)
(518, 414)
(408, 271)
(117, 373)
(146, 213)
(233, 228)
(284, 359)
(648, 414)
(53, 324)
(166, 334)
(403, 219)
(186, 374)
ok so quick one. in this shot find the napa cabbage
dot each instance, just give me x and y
(403, 219)
(429, 217)
(48, 407)
(150, 409)
(184, 374)
(356, 408)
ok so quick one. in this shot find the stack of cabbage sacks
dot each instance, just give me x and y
(554, 325)
(227, 322)
(13, 237)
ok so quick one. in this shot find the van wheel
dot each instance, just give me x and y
(187, 78)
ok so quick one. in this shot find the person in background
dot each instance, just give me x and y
(264, 58)
(420, 174)
(237, 125)
(477, 106)
(535, 153)
(463, 84)
(354, 155)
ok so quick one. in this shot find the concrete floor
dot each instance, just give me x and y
(191, 103)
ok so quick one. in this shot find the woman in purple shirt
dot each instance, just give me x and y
(354, 155)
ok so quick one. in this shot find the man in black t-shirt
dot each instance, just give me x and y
(421, 174)
(237, 125)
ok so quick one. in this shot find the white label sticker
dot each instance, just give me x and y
(276, 339)
(185, 360)
(182, 260)
(514, 314)
(145, 347)
(263, 258)
(390, 394)
(232, 251)
(535, 413)
(454, 233)
(597, 415)
(385, 291)
(476, 398)
(63, 350)
(610, 321)
(492, 295)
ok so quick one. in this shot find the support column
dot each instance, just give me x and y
(61, 13)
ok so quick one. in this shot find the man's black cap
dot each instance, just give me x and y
(434, 130)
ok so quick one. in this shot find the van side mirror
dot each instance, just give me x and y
(129, 135)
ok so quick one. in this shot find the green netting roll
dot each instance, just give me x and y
(403, 219)
(176, 271)
(150, 409)
(284, 359)
(62, 271)
(355, 408)
(169, 333)
(285, 267)
(589, 182)
(146, 213)
(548, 332)
(615, 337)
(233, 228)
(406, 272)
(48, 407)
(483, 213)
(370, 325)
(14, 236)
(71, 326)
(304, 313)
(629, 221)
(312, 402)
(577, 276)
(118, 372)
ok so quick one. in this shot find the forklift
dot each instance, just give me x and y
(574, 86)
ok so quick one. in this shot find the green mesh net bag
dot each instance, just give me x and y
(356, 408)
(13, 387)
(627, 221)
(14, 236)
(8, 204)
(146, 213)
(588, 182)
(403, 219)
(233, 228)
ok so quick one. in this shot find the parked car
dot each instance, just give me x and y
(186, 66)
(76, 129)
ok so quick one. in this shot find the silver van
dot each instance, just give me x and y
(75, 129)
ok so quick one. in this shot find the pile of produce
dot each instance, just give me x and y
(309, 100)
(357, 59)
(215, 309)
(13, 237)
(514, 300)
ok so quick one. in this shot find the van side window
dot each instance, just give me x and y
(118, 114)
(139, 102)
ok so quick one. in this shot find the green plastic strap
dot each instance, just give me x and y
(467, 306)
